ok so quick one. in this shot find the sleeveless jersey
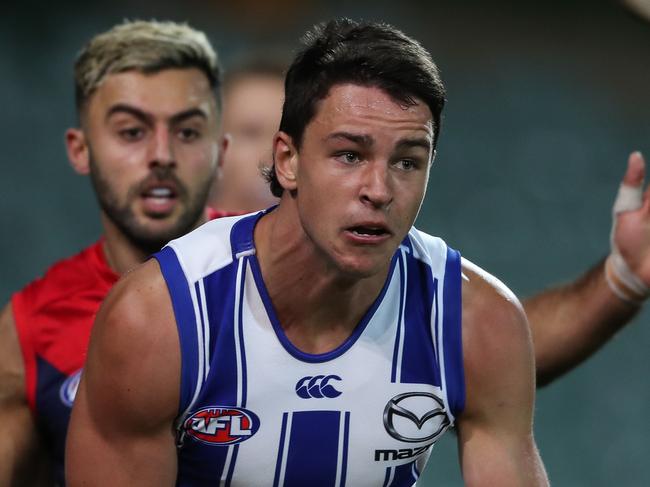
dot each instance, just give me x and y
(257, 411)
(54, 316)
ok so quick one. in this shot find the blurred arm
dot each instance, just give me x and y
(495, 430)
(121, 429)
(22, 458)
(571, 322)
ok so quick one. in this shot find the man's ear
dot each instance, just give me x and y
(77, 148)
(224, 143)
(285, 159)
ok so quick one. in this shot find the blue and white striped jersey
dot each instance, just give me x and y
(256, 411)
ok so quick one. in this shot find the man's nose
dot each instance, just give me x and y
(376, 188)
(161, 150)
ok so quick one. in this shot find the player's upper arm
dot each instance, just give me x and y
(22, 460)
(121, 426)
(495, 430)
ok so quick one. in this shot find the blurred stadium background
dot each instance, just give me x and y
(546, 100)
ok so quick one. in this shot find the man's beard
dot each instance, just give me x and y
(122, 216)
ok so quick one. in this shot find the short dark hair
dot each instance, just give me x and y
(368, 54)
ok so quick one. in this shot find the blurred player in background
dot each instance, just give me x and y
(149, 107)
(253, 92)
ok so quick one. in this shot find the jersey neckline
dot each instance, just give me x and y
(243, 246)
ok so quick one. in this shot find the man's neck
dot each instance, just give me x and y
(121, 254)
(317, 307)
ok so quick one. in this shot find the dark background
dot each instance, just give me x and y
(546, 100)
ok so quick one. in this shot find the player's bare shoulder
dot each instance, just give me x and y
(135, 337)
(497, 345)
(139, 299)
(489, 306)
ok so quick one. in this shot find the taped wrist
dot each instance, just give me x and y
(620, 278)
(623, 282)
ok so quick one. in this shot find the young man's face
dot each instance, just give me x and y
(361, 175)
(153, 150)
(251, 116)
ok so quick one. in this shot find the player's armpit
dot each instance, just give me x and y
(121, 426)
(495, 429)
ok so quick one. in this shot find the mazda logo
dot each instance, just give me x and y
(409, 429)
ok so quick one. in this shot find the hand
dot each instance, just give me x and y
(631, 225)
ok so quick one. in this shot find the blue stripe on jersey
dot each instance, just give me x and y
(313, 449)
(179, 292)
(344, 458)
(278, 463)
(286, 343)
(221, 316)
(197, 293)
(389, 470)
(231, 468)
(452, 336)
(404, 476)
(400, 321)
(241, 234)
(418, 343)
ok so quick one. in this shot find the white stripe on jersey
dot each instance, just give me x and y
(285, 450)
(206, 327)
(402, 332)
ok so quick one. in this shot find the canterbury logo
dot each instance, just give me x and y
(317, 387)
(410, 429)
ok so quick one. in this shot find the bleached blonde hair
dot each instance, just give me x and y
(147, 47)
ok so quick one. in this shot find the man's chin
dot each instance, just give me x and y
(154, 235)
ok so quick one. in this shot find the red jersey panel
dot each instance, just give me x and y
(54, 316)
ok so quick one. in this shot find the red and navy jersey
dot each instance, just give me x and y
(54, 316)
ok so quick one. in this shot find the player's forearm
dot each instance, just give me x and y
(572, 321)
(22, 461)
(505, 461)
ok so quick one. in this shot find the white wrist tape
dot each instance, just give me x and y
(620, 278)
(623, 282)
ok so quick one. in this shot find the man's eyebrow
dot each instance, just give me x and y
(424, 142)
(184, 115)
(148, 118)
(130, 110)
(364, 140)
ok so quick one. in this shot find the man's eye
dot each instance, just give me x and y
(132, 134)
(188, 134)
(348, 157)
(406, 164)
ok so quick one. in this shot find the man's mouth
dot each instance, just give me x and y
(365, 231)
(159, 199)
(159, 193)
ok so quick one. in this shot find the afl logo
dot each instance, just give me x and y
(415, 417)
(68, 389)
(218, 425)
